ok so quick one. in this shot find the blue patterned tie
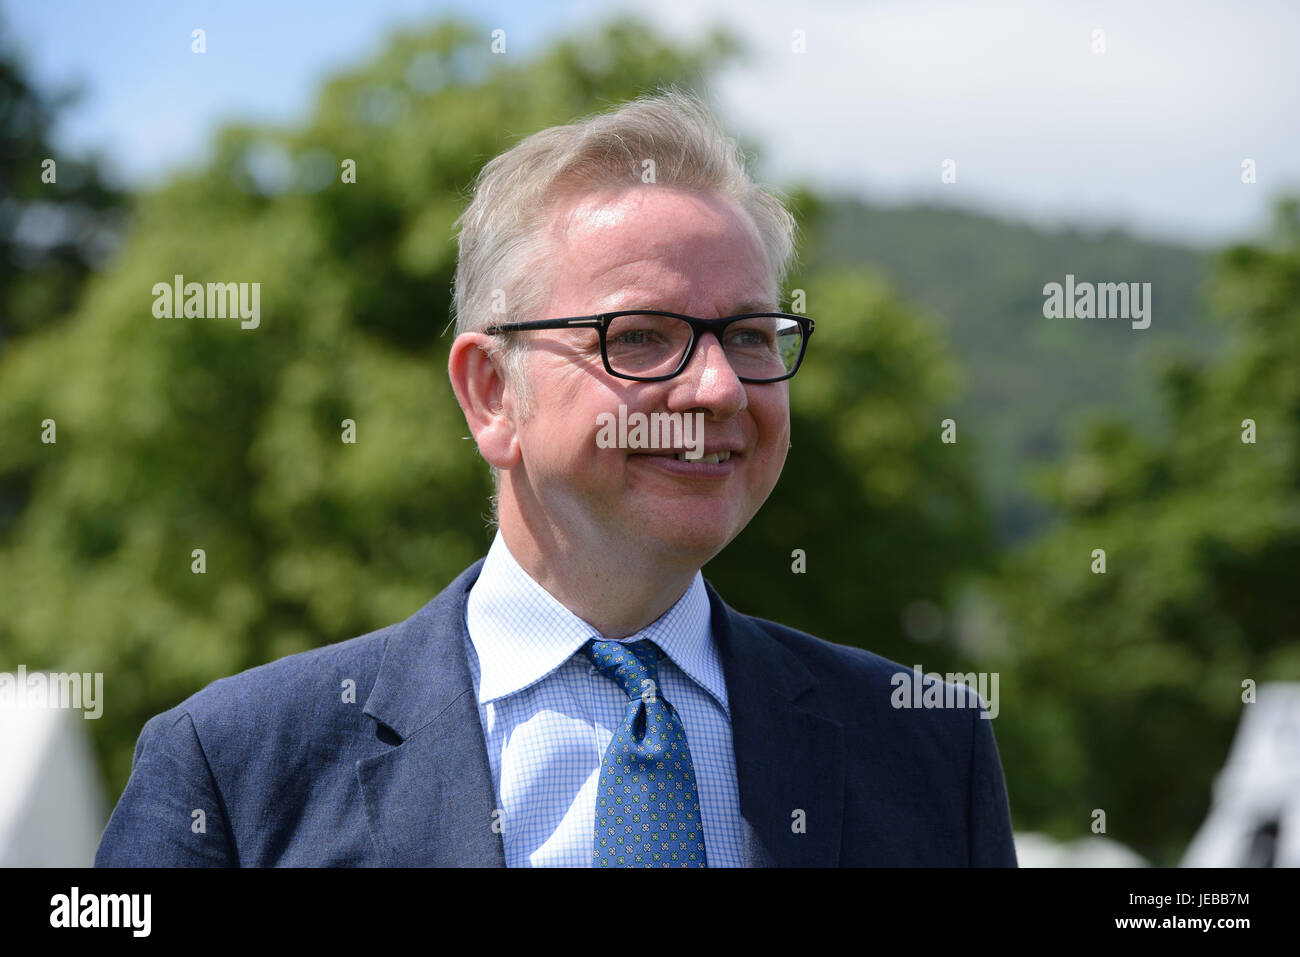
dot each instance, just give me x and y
(647, 804)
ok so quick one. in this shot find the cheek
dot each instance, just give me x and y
(564, 409)
(773, 422)
(774, 439)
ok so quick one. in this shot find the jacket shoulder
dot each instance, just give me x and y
(859, 687)
(923, 733)
(828, 661)
(304, 690)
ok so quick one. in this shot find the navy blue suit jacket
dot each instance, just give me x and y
(286, 771)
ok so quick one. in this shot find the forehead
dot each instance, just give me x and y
(657, 247)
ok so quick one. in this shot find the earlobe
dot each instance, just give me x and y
(484, 398)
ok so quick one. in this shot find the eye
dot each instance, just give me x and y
(749, 337)
(645, 331)
(633, 337)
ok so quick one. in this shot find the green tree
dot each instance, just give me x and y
(58, 218)
(1121, 690)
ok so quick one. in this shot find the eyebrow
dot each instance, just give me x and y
(750, 305)
(753, 307)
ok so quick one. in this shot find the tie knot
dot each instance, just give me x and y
(631, 665)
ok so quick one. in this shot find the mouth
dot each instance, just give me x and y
(712, 458)
(716, 465)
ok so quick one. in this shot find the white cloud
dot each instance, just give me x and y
(1151, 132)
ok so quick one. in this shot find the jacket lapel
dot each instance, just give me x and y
(429, 800)
(788, 760)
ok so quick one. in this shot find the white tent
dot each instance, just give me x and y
(1093, 850)
(52, 808)
(1254, 820)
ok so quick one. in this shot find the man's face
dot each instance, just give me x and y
(650, 247)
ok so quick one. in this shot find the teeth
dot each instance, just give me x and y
(713, 458)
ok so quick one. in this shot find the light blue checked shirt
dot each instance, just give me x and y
(548, 715)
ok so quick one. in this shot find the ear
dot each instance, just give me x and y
(484, 398)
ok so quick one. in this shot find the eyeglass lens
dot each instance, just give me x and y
(765, 347)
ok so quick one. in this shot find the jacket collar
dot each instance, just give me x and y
(424, 670)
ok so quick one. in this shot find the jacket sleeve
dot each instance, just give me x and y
(990, 837)
(154, 823)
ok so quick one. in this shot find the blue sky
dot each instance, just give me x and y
(151, 104)
(1149, 134)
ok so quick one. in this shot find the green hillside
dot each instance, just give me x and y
(1027, 377)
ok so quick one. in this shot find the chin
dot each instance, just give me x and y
(701, 540)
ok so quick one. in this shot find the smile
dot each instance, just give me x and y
(713, 458)
(712, 466)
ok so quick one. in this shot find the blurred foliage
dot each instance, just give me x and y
(177, 434)
(1121, 690)
(52, 234)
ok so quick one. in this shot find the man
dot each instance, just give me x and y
(581, 696)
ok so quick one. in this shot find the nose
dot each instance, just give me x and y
(709, 383)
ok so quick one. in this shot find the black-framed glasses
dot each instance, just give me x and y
(649, 345)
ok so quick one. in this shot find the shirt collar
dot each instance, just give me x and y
(521, 633)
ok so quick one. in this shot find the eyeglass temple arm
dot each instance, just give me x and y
(578, 322)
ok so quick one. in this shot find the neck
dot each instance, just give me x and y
(617, 588)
